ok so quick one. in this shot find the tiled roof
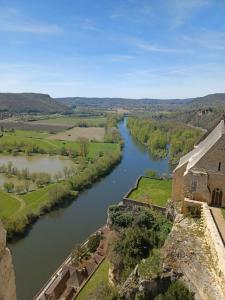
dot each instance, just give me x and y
(203, 147)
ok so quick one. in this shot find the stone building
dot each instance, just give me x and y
(200, 174)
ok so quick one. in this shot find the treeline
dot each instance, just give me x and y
(75, 180)
(112, 134)
(163, 138)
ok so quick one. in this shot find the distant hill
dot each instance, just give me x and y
(116, 102)
(30, 103)
(213, 100)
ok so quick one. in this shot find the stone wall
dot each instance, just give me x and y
(128, 201)
(178, 184)
(215, 242)
(7, 276)
(212, 236)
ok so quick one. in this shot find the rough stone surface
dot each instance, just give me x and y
(7, 276)
(187, 252)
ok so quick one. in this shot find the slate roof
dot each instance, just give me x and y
(203, 147)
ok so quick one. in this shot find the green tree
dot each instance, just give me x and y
(176, 291)
(94, 242)
(8, 186)
(83, 144)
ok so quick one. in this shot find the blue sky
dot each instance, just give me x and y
(113, 48)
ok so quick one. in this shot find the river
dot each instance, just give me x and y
(54, 235)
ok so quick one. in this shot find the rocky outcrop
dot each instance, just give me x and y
(7, 276)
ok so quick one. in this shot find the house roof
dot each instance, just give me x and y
(203, 147)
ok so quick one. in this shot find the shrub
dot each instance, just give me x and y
(94, 242)
(176, 291)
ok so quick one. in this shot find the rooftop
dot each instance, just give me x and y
(203, 147)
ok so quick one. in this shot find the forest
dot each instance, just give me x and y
(164, 137)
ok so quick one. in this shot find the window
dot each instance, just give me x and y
(219, 167)
(194, 184)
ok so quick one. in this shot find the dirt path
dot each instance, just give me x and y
(22, 204)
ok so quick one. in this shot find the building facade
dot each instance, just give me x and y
(200, 174)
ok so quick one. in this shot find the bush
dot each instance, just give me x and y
(94, 242)
(151, 266)
(176, 291)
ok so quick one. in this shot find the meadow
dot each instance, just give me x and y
(29, 139)
(152, 191)
(74, 121)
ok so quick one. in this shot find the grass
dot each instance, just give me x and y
(100, 276)
(152, 191)
(8, 205)
(33, 201)
(38, 139)
(36, 199)
(223, 212)
(30, 134)
(74, 121)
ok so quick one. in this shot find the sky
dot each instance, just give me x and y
(113, 48)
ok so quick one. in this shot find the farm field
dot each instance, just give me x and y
(90, 133)
(152, 191)
(32, 126)
(73, 121)
(42, 141)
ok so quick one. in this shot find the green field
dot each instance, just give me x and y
(14, 206)
(39, 139)
(30, 134)
(152, 191)
(35, 200)
(74, 121)
(99, 277)
(8, 205)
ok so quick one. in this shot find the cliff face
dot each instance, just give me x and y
(7, 276)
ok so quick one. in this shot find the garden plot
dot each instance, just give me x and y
(90, 133)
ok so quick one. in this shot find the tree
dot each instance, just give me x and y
(151, 173)
(9, 167)
(8, 186)
(94, 242)
(77, 255)
(176, 291)
(27, 185)
(83, 143)
(58, 192)
(19, 189)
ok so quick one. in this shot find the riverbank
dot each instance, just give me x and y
(35, 204)
(31, 195)
(54, 235)
(70, 279)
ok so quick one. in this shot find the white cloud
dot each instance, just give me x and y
(181, 10)
(212, 40)
(156, 48)
(13, 20)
